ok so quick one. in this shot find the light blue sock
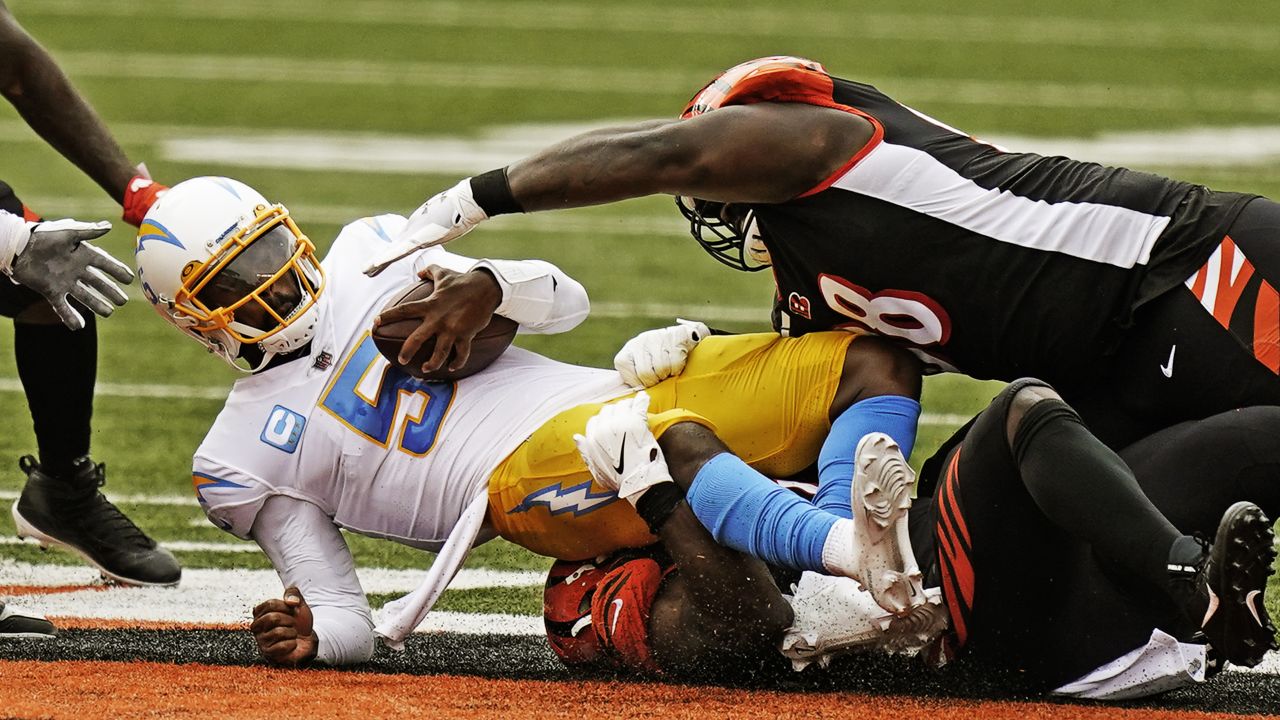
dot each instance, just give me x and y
(746, 511)
(893, 415)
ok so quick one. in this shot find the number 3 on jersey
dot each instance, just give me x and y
(368, 394)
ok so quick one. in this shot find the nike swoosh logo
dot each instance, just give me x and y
(1167, 368)
(622, 453)
(617, 610)
(1251, 602)
(1209, 611)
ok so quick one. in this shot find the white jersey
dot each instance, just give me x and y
(380, 452)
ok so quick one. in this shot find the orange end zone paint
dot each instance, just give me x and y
(78, 690)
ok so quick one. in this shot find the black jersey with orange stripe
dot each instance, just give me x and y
(995, 263)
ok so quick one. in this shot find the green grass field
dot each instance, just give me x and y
(165, 73)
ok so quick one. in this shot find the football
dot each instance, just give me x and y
(486, 346)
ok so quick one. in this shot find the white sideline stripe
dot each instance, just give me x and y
(228, 596)
(747, 22)
(213, 393)
(626, 81)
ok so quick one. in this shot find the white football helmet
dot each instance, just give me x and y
(229, 269)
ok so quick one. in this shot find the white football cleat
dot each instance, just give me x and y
(620, 450)
(833, 616)
(881, 497)
(878, 555)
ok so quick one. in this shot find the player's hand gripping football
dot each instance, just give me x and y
(283, 629)
(655, 355)
(446, 216)
(460, 306)
(620, 450)
(57, 260)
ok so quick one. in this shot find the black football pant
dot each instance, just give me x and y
(1048, 551)
(57, 366)
(1198, 349)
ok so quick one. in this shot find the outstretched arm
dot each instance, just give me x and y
(42, 94)
(763, 153)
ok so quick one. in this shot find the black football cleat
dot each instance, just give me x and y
(18, 623)
(1227, 585)
(71, 513)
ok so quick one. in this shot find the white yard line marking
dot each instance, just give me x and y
(500, 146)
(169, 500)
(227, 596)
(686, 20)
(170, 392)
(496, 146)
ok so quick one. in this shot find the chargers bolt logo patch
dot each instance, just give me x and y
(283, 429)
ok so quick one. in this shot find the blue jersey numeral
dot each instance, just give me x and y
(370, 407)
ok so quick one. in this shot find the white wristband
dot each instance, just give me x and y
(14, 234)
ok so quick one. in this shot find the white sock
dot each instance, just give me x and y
(838, 556)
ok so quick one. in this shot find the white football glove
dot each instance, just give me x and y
(655, 355)
(57, 260)
(620, 450)
(444, 217)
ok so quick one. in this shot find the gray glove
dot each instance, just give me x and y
(58, 261)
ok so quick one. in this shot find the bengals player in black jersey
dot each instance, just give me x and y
(1145, 301)
(1051, 560)
(57, 276)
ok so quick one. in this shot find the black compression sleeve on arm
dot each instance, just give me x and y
(492, 192)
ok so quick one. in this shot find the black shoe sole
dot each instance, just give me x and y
(1241, 562)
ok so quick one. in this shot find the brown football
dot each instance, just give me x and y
(486, 346)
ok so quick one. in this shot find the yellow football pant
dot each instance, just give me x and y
(767, 397)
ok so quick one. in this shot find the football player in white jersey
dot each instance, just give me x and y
(324, 433)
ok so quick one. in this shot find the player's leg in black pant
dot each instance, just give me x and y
(1195, 470)
(1030, 508)
(61, 503)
